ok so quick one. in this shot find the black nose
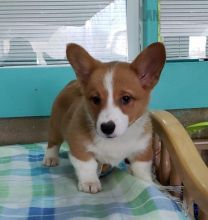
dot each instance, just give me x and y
(108, 128)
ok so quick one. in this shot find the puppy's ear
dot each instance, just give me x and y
(149, 64)
(82, 62)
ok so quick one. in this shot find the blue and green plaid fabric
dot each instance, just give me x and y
(29, 190)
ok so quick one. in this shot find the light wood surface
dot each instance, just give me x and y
(184, 156)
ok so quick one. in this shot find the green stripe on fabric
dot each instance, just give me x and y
(131, 208)
(5, 172)
(45, 189)
(143, 203)
(33, 147)
(4, 160)
(4, 190)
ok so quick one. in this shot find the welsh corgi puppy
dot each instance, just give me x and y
(103, 114)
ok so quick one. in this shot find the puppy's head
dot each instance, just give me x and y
(116, 93)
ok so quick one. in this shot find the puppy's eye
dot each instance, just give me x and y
(96, 100)
(125, 100)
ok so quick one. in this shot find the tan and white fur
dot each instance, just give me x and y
(103, 114)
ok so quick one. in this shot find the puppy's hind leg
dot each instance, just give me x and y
(141, 165)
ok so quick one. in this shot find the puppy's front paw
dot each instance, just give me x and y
(51, 158)
(50, 161)
(90, 187)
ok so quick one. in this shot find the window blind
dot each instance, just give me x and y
(35, 32)
(184, 28)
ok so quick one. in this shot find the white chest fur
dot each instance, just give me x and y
(114, 150)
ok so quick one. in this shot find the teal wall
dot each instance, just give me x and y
(30, 91)
(182, 85)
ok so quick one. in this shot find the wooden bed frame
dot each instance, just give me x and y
(177, 161)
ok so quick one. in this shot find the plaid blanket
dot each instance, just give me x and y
(29, 190)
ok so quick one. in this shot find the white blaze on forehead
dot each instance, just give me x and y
(108, 84)
(111, 112)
